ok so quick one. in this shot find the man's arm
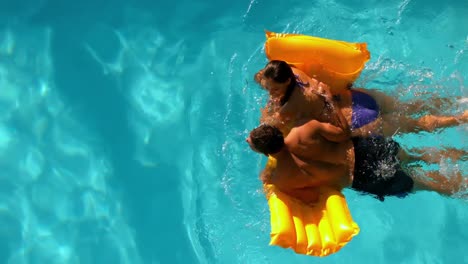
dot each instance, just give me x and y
(265, 176)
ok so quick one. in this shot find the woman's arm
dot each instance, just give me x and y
(329, 131)
(333, 133)
(340, 120)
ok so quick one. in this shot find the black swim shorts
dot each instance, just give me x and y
(377, 169)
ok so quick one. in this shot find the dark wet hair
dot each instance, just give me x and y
(280, 72)
(267, 139)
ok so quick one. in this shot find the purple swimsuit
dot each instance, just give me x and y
(365, 109)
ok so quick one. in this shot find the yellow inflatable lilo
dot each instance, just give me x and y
(325, 227)
(317, 230)
(333, 62)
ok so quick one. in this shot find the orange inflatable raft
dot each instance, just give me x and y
(336, 63)
(317, 230)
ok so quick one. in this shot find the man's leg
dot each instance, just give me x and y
(434, 181)
(432, 155)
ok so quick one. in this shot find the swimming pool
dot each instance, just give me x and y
(122, 128)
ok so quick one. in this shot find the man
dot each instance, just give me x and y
(320, 154)
(312, 155)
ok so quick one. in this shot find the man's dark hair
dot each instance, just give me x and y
(267, 139)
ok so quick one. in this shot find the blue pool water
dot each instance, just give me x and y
(122, 127)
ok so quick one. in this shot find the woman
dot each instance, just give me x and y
(296, 98)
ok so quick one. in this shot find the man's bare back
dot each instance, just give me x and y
(314, 155)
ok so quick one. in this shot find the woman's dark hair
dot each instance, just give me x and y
(267, 139)
(280, 72)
